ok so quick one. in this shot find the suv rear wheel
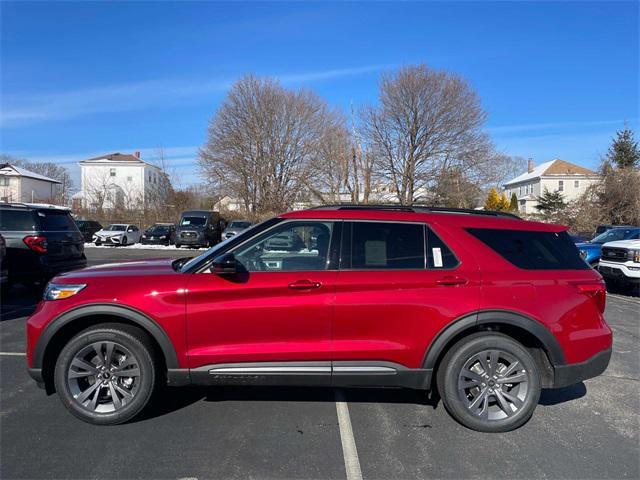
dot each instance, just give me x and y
(105, 374)
(489, 382)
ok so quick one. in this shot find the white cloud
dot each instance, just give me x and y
(20, 110)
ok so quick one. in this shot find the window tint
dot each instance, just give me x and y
(294, 246)
(16, 220)
(193, 221)
(56, 221)
(438, 254)
(533, 250)
(386, 246)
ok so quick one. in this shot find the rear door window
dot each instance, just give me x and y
(385, 246)
(52, 221)
(439, 255)
(533, 250)
(20, 220)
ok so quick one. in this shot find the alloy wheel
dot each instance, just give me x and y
(493, 384)
(104, 377)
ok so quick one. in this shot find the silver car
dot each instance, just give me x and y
(235, 227)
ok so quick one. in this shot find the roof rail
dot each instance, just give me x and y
(417, 209)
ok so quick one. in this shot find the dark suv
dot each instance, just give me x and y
(41, 241)
(88, 228)
(484, 307)
(199, 228)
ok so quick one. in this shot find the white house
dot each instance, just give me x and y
(20, 185)
(555, 176)
(118, 180)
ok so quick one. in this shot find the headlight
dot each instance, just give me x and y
(58, 291)
(163, 237)
(635, 256)
(583, 254)
(144, 236)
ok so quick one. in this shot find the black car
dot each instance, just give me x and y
(199, 228)
(88, 228)
(159, 234)
(41, 241)
(4, 274)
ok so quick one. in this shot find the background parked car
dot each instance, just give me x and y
(4, 274)
(236, 226)
(118, 234)
(41, 241)
(199, 228)
(620, 264)
(590, 251)
(88, 228)
(604, 227)
(159, 234)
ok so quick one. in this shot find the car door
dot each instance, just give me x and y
(399, 284)
(274, 316)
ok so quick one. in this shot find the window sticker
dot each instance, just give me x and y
(437, 257)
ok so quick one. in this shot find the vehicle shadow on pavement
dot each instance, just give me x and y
(18, 301)
(172, 399)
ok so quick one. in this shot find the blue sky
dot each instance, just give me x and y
(80, 79)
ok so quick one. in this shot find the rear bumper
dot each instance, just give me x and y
(155, 241)
(565, 375)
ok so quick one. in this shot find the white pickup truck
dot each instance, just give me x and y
(620, 263)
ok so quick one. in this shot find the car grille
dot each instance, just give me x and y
(188, 235)
(615, 254)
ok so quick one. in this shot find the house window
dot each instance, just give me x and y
(560, 185)
(129, 179)
(520, 191)
(4, 181)
(112, 172)
(576, 184)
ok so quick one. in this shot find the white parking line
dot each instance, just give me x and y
(12, 354)
(349, 450)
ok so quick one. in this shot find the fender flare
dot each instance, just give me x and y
(133, 316)
(500, 317)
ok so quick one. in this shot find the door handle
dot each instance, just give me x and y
(304, 285)
(450, 281)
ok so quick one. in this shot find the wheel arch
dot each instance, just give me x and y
(68, 324)
(531, 333)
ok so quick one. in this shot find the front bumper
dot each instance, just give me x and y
(616, 271)
(109, 240)
(565, 375)
(155, 241)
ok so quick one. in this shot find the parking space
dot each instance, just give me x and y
(589, 430)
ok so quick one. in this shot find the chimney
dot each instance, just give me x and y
(136, 154)
(530, 165)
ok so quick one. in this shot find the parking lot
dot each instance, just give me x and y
(589, 430)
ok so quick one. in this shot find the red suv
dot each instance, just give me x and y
(483, 306)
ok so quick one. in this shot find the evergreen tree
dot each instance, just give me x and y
(493, 200)
(551, 204)
(504, 203)
(513, 205)
(624, 152)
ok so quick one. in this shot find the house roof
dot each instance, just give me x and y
(117, 157)
(553, 167)
(23, 172)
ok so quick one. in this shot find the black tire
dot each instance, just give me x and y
(494, 395)
(124, 241)
(135, 374)
(98, 243)
(178, 245)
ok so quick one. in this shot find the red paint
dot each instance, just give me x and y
(346, 315)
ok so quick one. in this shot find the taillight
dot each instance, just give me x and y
(597, 292)
(37, 243)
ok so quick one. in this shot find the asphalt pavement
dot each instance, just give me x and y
(588, 430)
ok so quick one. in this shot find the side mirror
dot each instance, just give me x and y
(224, 264)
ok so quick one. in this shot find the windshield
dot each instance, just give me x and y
(81, 223)
(116, 228)
(617, 234)
(158, 229)
(193, 221)
(239, 225)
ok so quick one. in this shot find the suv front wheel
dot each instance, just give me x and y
(105, 374)
(489, 382)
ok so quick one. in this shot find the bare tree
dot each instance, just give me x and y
(427, 122)
(262, 142)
